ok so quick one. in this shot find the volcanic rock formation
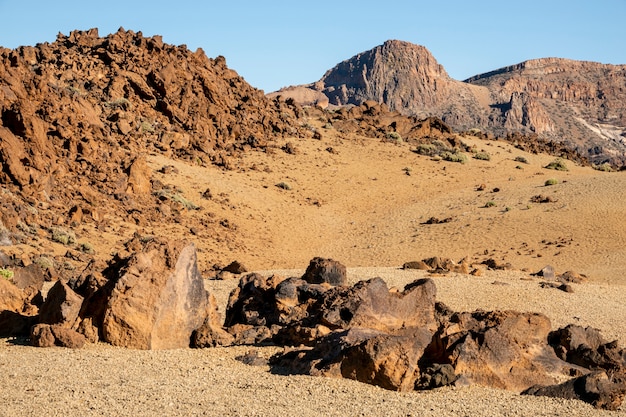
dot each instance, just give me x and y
(578, 103)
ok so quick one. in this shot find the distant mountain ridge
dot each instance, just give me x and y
(577, 102)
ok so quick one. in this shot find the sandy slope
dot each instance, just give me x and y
(357, 204)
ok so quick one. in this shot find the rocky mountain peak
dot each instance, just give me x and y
(578, 103)
(400, 74)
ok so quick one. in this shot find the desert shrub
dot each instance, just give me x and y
(168, 194)
(454, 157)
(427, 149)
(44, 263)
(284, 186)
(6, 274)
(551, 181)
(483, 156)
(490, 204)
(521, 159)
(65, 237)
(146, 127)
(393, 137)
(87, 248)
(605, 167)
(558, 164)
(120, 103)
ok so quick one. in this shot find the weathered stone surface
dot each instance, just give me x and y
(370, 304)
(211, 333)
(11, 297)
(362, 354)
(61, 306)
(48, 335)
(321, 270)
(158, 300)
(29, 276)
(596, 388)
(585, 346)
(501, 349)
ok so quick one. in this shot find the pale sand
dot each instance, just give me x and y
(101, 380)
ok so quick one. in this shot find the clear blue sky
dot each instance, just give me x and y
(278, 43)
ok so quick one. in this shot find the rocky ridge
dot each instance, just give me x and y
(580, 104)
(79, 116)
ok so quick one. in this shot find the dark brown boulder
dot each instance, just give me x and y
(500, 349)
(322, 270)
(365, 355)
(273, 307)
(29, 276)
(48, 335)
(61, 306)
(370, 304)
(235, 267)
(585, 346)
(602, 390)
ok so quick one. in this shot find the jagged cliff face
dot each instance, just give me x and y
(408, 79)
(583, 103)
(580, 103)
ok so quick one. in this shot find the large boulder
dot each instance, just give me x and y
(586, 347)
(500, 349)
(49, 335)
(322, 270)
(17, 315)
(158, 299)
(602, 390)
(62, 306)
(29, 276)
(365, 355)
(372, 305)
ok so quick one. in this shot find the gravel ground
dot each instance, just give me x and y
(101, 380)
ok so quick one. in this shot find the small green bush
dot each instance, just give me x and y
(65, 237)
(284, 186)
(168, 194)
(490, 204)
(605, 167)
(551, 181)
(558, 164)
(454, 157)
(394, 137)
(87, 248)
(427, 149)
(44, 263)
(120, 103)
(483, 156)
(146, 127)
(521, 159)
(6, 274)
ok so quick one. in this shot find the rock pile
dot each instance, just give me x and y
(152, 297)
(406, 340)
(77, 115)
